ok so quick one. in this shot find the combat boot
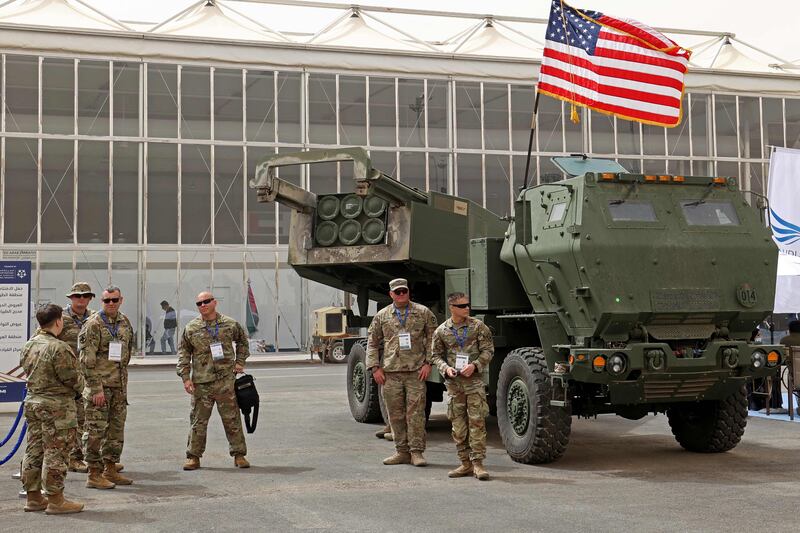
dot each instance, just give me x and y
(35, 501)
(479, 470)
(464, 470)
(97, 481)
(240, 462)
(388, 435)
(417, 459)
(112, 475)
(76, 465)
(58, 505)
(399, 458)
(192, 463)
(381, 433)
(119, 466)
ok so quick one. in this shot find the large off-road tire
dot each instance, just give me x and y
(362, 391)
(336, 353)
(533, 431)
(710, 426)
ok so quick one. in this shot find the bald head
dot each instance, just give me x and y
(207, 305)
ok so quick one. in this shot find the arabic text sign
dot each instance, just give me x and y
(15, 312)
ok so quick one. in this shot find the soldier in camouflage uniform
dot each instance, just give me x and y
(461, 350)
(75, 316)
(106, 342)
(208, 364)
(403, 330)
(53, 380)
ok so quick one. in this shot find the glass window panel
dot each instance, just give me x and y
(498, 199)
(655, 166)
(495, 116)
(573, 133)
(162, 285)
(792, 123)
(22, 93)
(519, 171)
(261, 273)
(93, 189)
(411, 98)
(92, 267)
(602, 133)
(725, 122)
(260, 217)
(195, 277)
(322, 108)
(162, 101)
(57, 189)
(750, 127)
(632, 165)
(195, 103)
(719, 213)
(548, 172)
(653, 139)
(93, 95)
(228, 104)
(289, 309)
(381, 112)
(678, 137)
(412, 169)
(772, 116)
(323, 178)
(20, 190)
(700, 124)
(352, 110)
(728, 169)
(228, 201)
(126, 99)
(624, 211)
(468, 115)
(628, 137)
(58, 95)
(704, 167)
(437, 114)
(125, 275)
(289, 103)
(162, 193)
(548, 120)
(230, 289)
(261, 106)
(195, 194)
(55, 277)
(438, 170)
(469, 178)
(386, 162)
(753, 179)
(126, 192)
(679, 167)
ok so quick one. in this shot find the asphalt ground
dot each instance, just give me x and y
(314, 468)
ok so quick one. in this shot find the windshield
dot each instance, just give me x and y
(698, 213)
(623, 211)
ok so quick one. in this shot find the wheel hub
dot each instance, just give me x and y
(518, 406)
(359, 381)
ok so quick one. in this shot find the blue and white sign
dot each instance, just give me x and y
(784, 207)
(15, 311)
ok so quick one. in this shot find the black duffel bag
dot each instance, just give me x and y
(247, 398)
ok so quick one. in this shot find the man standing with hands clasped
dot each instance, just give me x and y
(462, 349)
(404, 330)
(208, 365)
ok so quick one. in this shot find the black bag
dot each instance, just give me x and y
(247, 398)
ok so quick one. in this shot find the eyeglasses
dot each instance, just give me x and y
(204, 302)
(111, 300)
(400, 291)
(461, 306)
(80, 296)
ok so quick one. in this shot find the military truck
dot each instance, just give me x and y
(609, 292)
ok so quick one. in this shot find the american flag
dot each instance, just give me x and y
(616, 66)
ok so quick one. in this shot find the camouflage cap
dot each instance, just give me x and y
(80, 288)
(398, 283)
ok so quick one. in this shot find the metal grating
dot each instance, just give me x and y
(688, 388)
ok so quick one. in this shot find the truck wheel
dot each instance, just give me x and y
(710, 426)
(336, 353)
(362, 391)
(533, 431)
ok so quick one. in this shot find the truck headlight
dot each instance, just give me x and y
(758, 359)
(617, 364)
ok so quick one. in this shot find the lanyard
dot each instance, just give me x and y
(114, 331)
(460, 340)
(214, 335)
(76, 318)
(402, 320)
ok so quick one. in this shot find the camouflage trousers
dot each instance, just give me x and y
(404, 396)
(77, 447)
(221, 393)
(51, 431)
(104, 428)
(467, 410)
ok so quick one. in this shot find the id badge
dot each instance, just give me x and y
(216, 352)
(462, 360)
(115, 351)
(405, 341)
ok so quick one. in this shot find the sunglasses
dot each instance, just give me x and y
(460, 306)
(400, 291)
(204, 302)
(80, 296)
(111, 300)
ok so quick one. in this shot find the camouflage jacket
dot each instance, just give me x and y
(72, 327)
(478, 344)
(384, 331)
(94, 339)
(194, 349)
(52, 371)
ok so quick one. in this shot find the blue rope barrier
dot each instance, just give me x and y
(17, 445)
(14, 427)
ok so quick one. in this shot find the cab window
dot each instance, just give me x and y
(700, 213)
(557, 212)
(624, 211)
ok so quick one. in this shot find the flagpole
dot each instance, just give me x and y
(530, 140)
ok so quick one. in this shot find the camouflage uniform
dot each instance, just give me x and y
(213, 380)
(466, 406)
(53, 381)
(104, 431)
(403, 392)
(72, 327)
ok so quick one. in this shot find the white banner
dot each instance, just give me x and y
(784, 206)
